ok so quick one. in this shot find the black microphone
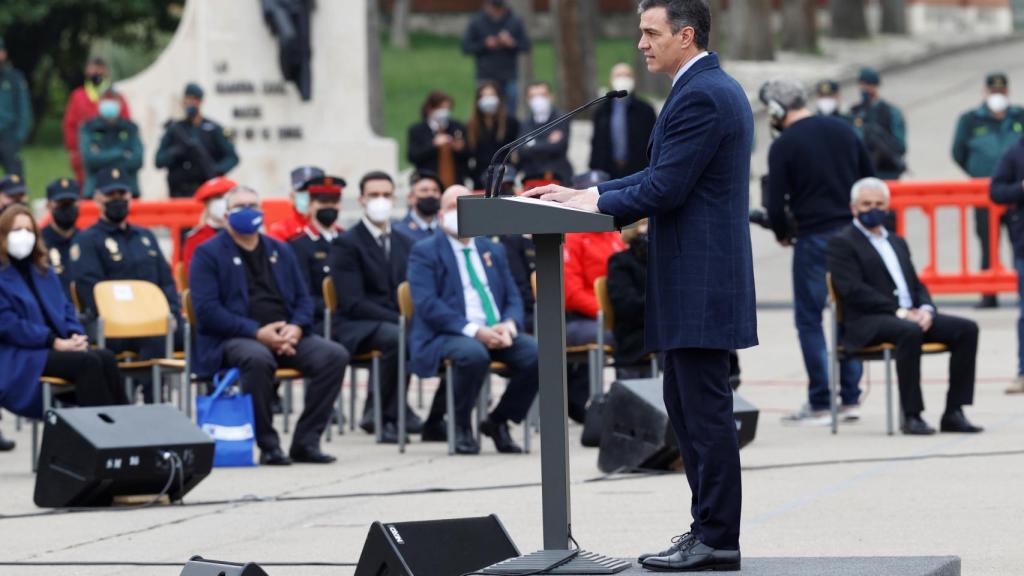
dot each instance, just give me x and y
(496, 170)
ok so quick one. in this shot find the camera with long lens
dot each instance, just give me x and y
(759, 215)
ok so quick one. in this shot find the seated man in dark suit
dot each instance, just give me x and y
(468, 310)
(255, 313)
(884, 301)
(368, 263)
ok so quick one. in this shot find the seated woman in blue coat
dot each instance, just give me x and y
(39, 333)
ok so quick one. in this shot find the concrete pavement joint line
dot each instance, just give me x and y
(872, 472)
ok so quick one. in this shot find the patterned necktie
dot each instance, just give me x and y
(385, 243)
(485, 300)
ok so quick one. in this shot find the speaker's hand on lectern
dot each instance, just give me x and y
(552, 192)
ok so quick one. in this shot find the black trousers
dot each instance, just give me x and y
(323, 364)
(10, 161)
(981, 228)
(959, 334)
(698, 399)
(93, 372)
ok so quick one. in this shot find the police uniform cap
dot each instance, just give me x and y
(826, 88)
(302, 174)
(214, 188)
(194, 90)
(324, 185)
(426, 175)
(112, 180)
(870, 76)
(997, 81)
(12, 185)
(63, 189)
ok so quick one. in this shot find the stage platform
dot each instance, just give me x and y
(839, 566)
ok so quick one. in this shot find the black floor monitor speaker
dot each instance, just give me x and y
(637, 433)
(434, 547)
(198, 566)
(91, 455)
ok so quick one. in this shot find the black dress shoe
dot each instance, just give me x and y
(915, 426)
(366, 422)
(678, 543)
(5, 444)
(577, 413)
(413, 423)
(434, 431)
(955, 421)
(697, 557)
(498, 431)
(987, 301)
(465, 443)
(389, 435)
(274, 457)
(310, 456)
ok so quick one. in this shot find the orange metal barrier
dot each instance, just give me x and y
(177, 215)
(931, 196)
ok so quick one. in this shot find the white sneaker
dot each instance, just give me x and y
(807, 417)
(849, 413)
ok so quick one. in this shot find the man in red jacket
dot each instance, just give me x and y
(83, 105)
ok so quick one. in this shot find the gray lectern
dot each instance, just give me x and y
(548, 223)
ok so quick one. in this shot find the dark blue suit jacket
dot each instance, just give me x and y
(220, 295)
(700, 282)
(24, 333)
(440, 308)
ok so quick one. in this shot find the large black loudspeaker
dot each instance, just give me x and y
(91, 455)
(434, 547)
(637, 433)
(198, 566)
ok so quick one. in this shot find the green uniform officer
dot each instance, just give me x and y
(110, 141)
(15, 115)
(983, 135)
(827, 101)
(881, 126)
(194, 149)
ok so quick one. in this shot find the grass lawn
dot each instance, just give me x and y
(431, 62)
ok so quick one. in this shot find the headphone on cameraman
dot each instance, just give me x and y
(776, 111)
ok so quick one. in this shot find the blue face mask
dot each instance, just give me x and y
(110, 109)
(873, 218)
(246, 221)
(302, 202)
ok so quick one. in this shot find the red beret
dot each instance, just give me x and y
(214, 188)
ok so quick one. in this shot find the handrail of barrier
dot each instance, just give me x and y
(928, 197)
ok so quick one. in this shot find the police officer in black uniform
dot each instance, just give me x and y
(62, 202)
(313, 246)
(113, 249)
(194, 149)
(12, 191)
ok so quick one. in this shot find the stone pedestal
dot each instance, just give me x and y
(227, 48)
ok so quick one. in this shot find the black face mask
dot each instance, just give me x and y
(116, 210)
(428, 206)
(96, 79)
(65, 216)
(327, 216)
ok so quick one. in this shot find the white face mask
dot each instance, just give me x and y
(827, 105)
(218, 208)
(997, 103)
(540, 106)
(489, 104)
(378, 210)
(623, 83)
(20, 243)
(450, 222)
(441, 116)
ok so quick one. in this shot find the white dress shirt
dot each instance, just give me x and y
(687, 66)
(474, 306)
(892, 263)
(376, 231)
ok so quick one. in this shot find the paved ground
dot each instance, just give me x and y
(806, 493)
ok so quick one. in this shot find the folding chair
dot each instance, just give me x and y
(881, 352)
(48, 383)
(405, 305)
(138, 309)
(283, 375)
(369, 361)
(180, 277)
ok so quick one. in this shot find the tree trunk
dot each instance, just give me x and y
(751, 31)
(400, 23)
(575, 74)
(376, 86)
(894, 16)
(524, 9)
(799, 25)
(848, 19)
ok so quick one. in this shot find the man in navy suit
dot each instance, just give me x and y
(468, 310)
(254, 312)
(700, 285)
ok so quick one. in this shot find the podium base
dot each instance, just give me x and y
(585, 563)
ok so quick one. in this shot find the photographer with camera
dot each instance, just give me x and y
(811, 166)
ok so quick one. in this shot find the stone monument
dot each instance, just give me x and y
(229, 49)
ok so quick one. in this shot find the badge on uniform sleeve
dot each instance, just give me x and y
(75, 252)
(487, 260)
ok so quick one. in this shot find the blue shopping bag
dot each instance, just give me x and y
(228, 418)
